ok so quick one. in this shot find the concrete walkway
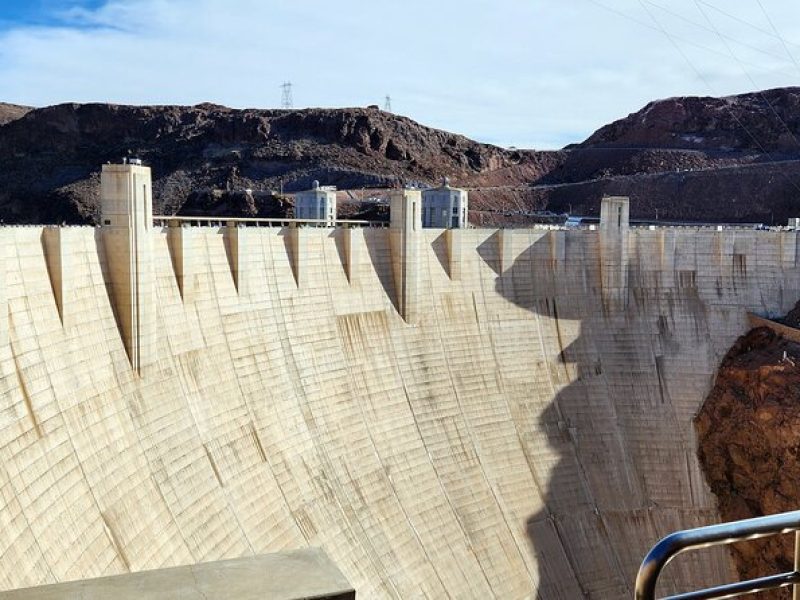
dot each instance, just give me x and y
(294, 575)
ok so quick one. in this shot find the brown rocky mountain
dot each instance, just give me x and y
(718, 159)
(51, 156)
(747, 434)
(11, 112)
(761, 121)
(722, 159)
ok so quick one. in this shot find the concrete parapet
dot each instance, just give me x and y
(127, 223)
(790, 333)
(404, 231)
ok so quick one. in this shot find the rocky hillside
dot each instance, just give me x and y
(759, 121)
(11, 112)
(721, 159)
(748, 435)
(51, 156)
(691, 158)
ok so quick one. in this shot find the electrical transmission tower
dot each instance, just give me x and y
(286, 95)
(387, 103)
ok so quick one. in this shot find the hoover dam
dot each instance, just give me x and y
(469, 413)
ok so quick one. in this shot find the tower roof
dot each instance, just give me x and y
(445, 185)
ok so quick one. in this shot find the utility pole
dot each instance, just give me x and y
(387, 104)
(286, 95)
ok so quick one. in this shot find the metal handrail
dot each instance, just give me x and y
(716, 535)
(267, 221)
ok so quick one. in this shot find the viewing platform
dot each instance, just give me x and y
(292, 575)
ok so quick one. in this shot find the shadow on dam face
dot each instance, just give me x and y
(590, 487)
(567, 534)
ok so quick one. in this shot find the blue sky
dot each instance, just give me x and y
(525, 73)
(16, 13)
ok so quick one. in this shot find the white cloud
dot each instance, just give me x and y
(516, 72)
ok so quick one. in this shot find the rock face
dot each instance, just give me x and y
(760, 121)
(749, 437)
(690, 158)
(11, 112)
(51, 156)
(712, 159)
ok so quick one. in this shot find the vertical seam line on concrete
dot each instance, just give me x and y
(352, 386)
(251, 414)
(456, 516)
(289, 508)
(215, 295)
(498, 500)
(299, 395)
(72, 445)
(581, 469)
(21, 507)
(446, 494)
(366, 428)
(490, 487)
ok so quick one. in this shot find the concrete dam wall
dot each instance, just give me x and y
(525, 431)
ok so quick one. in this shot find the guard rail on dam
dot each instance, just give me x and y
(464, 413)
(714, 535)
(176, 221)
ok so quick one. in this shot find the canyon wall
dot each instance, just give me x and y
(747, 432)
(527, 434)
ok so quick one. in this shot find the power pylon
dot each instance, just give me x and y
(387, 103)
(286, 95)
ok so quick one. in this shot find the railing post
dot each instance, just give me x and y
(714, 535)
(796, 587)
